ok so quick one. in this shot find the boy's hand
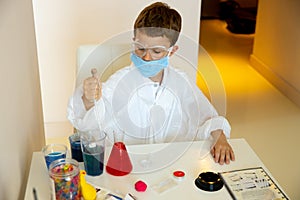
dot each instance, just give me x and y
(221, 150)
(91, 90)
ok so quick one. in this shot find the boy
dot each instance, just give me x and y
(151, 101)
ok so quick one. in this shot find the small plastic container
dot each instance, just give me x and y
(64, 174)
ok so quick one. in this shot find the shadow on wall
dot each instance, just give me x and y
(240, 18)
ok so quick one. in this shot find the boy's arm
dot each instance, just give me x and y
(81, 118)
(216, 126)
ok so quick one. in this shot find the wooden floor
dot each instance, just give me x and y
(256, 110)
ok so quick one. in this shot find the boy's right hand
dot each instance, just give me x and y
(91, 91)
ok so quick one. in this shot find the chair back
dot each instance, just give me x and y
(106, 58)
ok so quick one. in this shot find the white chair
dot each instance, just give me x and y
(106, 58)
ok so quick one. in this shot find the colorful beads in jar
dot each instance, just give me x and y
(65, 177)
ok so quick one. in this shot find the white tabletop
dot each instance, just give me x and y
(192, 158)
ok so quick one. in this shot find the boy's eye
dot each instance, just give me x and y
(141, 49)
(158, 50)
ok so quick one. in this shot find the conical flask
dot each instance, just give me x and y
(119, 163)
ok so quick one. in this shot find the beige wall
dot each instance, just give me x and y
(61, 26)
(21, 120)
(276, 52)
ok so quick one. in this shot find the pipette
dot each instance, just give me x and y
(94, 74)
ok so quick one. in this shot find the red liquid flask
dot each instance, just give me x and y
(119, 163)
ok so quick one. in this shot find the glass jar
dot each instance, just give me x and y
(64, 174)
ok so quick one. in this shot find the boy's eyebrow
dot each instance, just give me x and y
(146, 46)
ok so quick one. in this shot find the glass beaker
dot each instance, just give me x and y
(54, 152)
(119, 163)
(76, 152)
(93, 148)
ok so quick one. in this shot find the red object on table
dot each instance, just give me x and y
(178, 175)
(140, 186)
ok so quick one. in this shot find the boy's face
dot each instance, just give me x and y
(152, 48)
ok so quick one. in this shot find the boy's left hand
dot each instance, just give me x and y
(221, 150)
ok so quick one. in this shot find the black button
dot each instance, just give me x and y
(209, 181)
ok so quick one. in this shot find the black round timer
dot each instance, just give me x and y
(209, 181)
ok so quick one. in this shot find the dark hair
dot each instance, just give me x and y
(158, 19)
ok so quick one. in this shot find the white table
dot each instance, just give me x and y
(183, 156)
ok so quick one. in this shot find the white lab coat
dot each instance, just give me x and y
(148, 112)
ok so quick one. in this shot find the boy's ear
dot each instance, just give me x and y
(174, 49)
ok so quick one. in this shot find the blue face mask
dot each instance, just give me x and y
(149, 68)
